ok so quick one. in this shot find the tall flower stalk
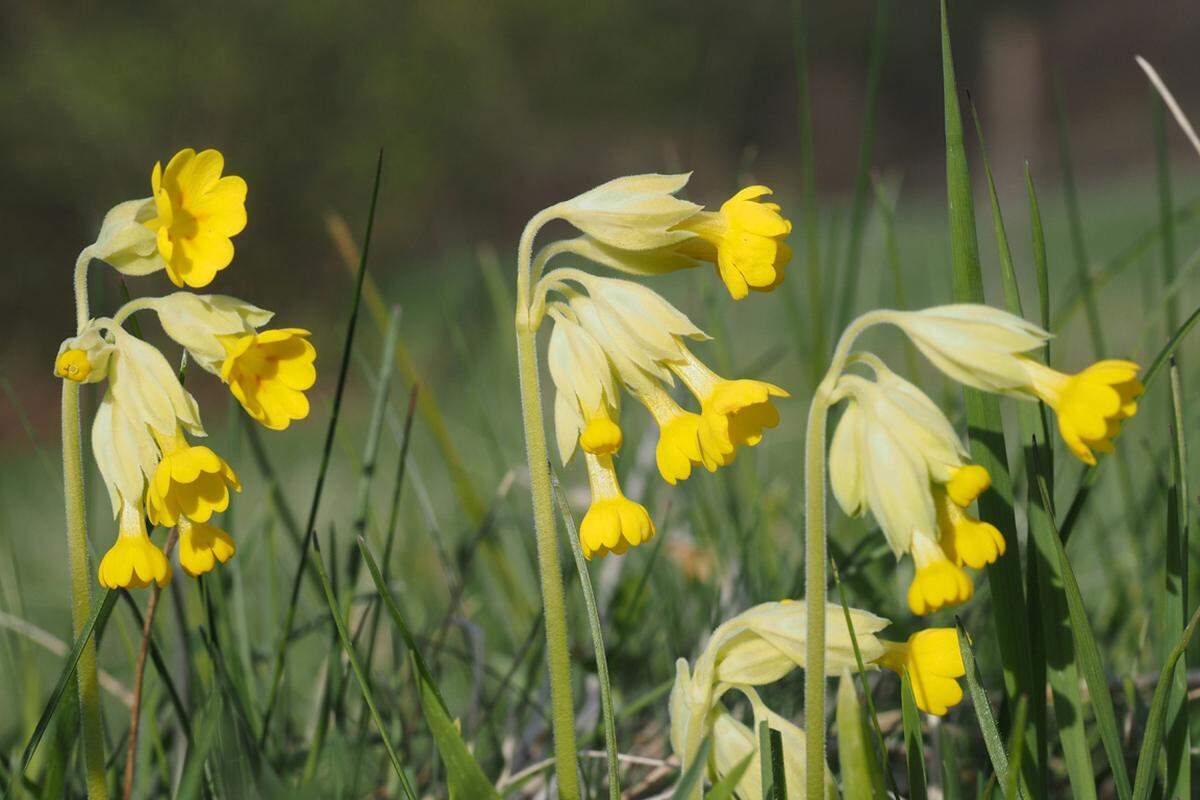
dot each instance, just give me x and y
(896, 454)
(86, 676)
(610, 334)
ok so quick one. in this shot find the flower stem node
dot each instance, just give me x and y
(933, 661)
(202, 547)
(268, 372)
(613, 523)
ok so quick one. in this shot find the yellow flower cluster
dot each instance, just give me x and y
(611, 334)
(139, 436)
(895, 453)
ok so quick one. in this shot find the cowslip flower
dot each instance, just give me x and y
(586, 402)
(133, 562)
(190, 481)
(197, 213)
(986, 348)
(764, 643)
(613, 523)
(268, 372)
(184, 227)
(894, 453)
(744, 239)
(202, 546)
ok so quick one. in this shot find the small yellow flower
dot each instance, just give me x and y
(601, 436)
(1091, 404)
(268, 373)
(938, 582)
(198, 212)
(613, 523)
(133, 562)
(964, 539)
(967, 483)
(933, 662)
(202, 547)
(680, 443)
(734, 412)
(744, 239)
(73, 365)
(190, 481)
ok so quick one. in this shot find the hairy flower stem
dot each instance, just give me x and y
(86, 675)
(815, 534)
(549, 568)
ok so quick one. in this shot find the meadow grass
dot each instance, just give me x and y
(392, 644)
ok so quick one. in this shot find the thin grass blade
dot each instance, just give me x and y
(992, 740)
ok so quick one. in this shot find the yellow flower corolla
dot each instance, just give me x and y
(966, 484)
(268, 372)
(133, 562)
(198, 212)
(613, 523)
(964, 539)
(680, 443)
(938, 582)
(190, 481)
(1090, 405)
(601, 436)
(933, 661)
(73, 365)
(734, 412)
(744, 239)
(202, 547)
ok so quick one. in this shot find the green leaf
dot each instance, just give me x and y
(914, 749)
(1148, 758)
(693, 778)
(861, 776)
(204, 738)
(724, 788)
(1011, 783)
(984, 424)
(992, 741)
(1087, 655)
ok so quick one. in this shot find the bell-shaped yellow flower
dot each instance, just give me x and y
(268, 372)
(198, 212)
(133, 562)
(964, 539)
(938, 582)
(613, 523)
(933, 662)
(734, 412)
(744, 239)
(1090, 405)
(202, 547)
(190, 481)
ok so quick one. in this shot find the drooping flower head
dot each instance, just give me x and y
(744, 240)
(987, 349)
(202, 546)
(613, 523)
(133, 562)
(268, 372)
(197, 213)
(190, 481)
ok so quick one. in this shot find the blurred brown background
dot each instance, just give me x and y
(488, 111)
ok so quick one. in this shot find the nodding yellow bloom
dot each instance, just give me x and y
(73, 365)
(190, 481)
(198, 212)
(1091, 405)
(613, 523)
(965, 539)
(966, 484)
(84, 358)
(744, 239)
(933, 661)
(681, 444)
(202, 547)
(133, 562)
(938, 581)
(268, 372)
(734, 412)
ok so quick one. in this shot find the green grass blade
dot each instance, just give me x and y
(1147, 767)
(984, 423)
(858, 200)
(693, 777)
(808, 194)
(363, 684)
(857, 764)
(993, 742)
(724, 788)
(100, 614)
(951, 780)
(597, 630)
(1011, 782)
(1040, 267)
(1087, 654)
(1168, 349)
(330, 433)
(1075, 220)
(774, 774)
(914, 748)
(1176, 720)
(192, 783)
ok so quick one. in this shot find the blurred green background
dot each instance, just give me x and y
(487, 112)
